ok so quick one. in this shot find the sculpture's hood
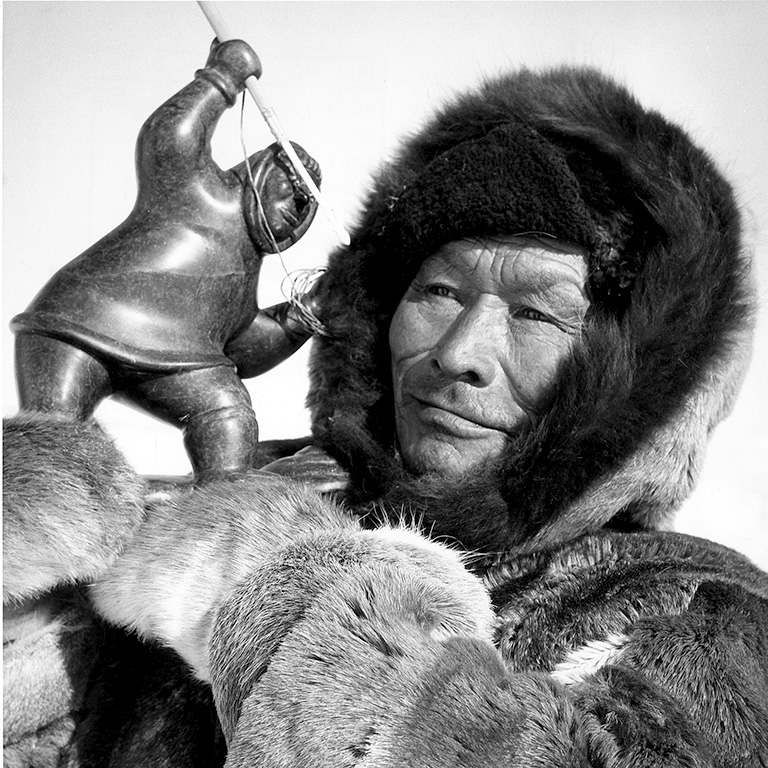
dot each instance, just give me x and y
(666, 340)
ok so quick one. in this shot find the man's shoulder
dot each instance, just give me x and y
(608, 585)
(616, 561)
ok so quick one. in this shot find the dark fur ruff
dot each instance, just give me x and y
(661, 357)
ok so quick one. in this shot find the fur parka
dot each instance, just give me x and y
(332, 610)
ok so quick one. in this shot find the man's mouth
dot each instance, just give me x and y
(450, 419)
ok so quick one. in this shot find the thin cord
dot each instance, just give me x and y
(301, 280)
(252, 182)
(305, 278)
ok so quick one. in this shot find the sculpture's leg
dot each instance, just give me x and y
(54, 376)
(212, 407)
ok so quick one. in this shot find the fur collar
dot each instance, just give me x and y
(623, 439)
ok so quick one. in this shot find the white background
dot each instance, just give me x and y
(347, 79)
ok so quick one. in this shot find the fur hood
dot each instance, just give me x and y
(662, 354)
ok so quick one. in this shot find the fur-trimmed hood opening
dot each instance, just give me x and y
(663, 350)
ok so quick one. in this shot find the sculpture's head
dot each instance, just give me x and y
(277, 207)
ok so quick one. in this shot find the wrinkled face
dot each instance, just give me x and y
(476, 344)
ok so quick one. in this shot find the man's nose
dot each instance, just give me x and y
(467, 350)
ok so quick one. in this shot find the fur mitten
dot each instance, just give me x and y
(70, 503)
(320, 649)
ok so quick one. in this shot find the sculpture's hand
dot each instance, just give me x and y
(229, 65)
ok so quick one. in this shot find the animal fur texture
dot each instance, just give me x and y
(372, 589)
(335, 645)
(197, 547)
(48, 656)
(210, 557)
(70, 503)
(349, 647)
(561, 627)
(613, 650)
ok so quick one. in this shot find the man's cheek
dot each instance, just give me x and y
(531, 368)
(412, 332)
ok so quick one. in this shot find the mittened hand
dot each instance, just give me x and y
(316, 656)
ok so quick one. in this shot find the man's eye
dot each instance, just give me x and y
(443, 291)
(529, 313)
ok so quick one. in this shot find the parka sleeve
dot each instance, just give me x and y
(702, 672)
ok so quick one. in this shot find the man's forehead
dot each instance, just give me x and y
(514, 260)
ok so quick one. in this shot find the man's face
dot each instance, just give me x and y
(476, 344)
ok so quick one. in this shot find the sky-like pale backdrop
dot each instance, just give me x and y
(347, 80)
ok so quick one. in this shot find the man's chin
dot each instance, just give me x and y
(450, 458)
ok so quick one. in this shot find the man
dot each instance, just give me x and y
(543, 314)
